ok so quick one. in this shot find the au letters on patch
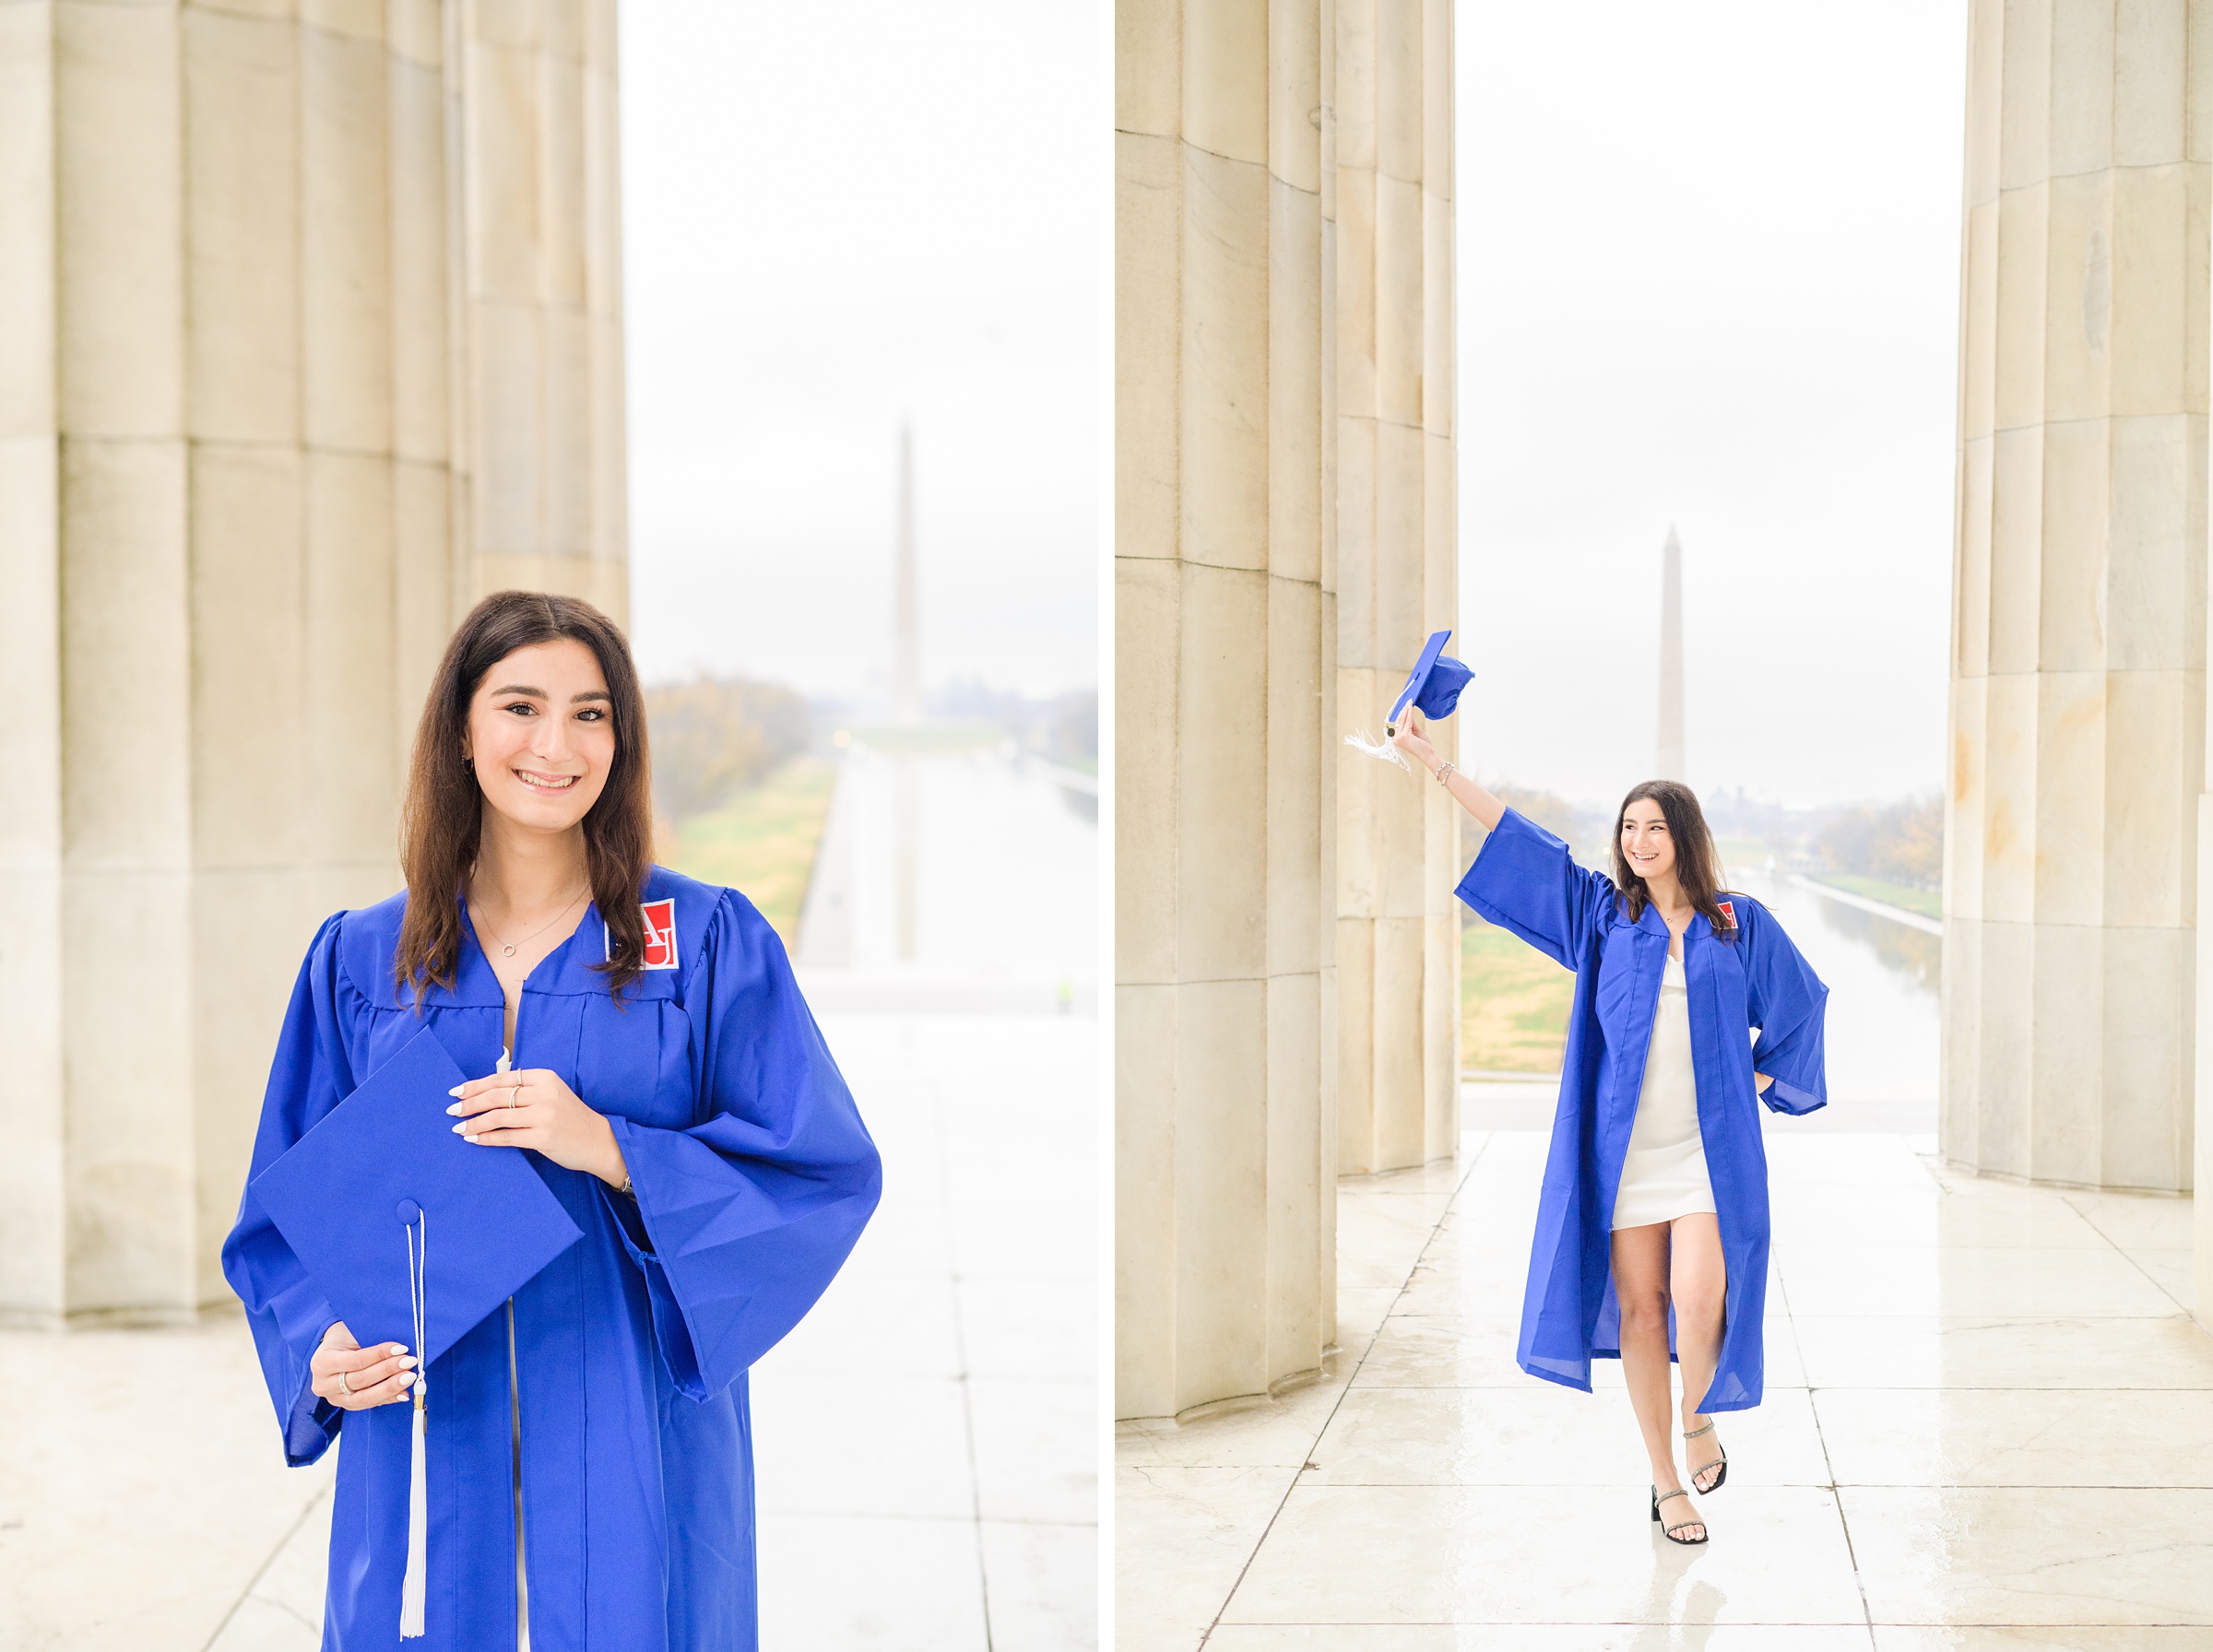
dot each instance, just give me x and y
(660, 934)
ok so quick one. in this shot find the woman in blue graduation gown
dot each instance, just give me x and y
(589, 1453)
(1652, 1235)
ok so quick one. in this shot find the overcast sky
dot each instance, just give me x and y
(836, 217)
(1708, 275)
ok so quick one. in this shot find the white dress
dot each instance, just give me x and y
(1663, 1173)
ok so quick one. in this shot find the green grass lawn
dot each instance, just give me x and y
(762, 842)
(1927, 902)
(1513, 1003)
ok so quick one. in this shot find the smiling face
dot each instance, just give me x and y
(1646, 843)
(541, 735)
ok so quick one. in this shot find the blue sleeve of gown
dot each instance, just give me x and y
(751, 1212)
(1788, 1004)
(289, 1314)
(1524, 880)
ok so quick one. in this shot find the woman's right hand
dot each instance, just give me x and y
(378, 1375)
(1410, 738)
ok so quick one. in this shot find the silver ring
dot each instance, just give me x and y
(513, 1090)
(344, 1384)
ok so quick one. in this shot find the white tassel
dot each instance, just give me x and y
(414, 1587)
(412, 1590)
(1365, 741)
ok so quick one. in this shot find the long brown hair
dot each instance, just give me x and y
(1697, 868)
(442, 819)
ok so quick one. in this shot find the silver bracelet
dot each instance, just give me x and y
(1446, 773)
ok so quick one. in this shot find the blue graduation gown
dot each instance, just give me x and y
(1524, 880)
(753, 1178)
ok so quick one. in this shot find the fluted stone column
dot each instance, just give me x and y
(232, 332)
(1225, 625)
(2077, 698)
(543, 298)
(1398, 933)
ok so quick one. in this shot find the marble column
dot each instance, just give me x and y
(232, 545)
(2078, 691)
(1226, 630)
(542, 295)
(1398, 932)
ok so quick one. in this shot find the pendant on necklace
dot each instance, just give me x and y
(507, 949)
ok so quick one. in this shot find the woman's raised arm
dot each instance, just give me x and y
(1465, 792)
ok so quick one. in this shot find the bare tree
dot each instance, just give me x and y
(713, 737)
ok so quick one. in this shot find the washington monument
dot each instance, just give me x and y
(1670, 766)
(906, 665)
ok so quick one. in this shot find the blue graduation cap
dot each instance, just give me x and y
(378, 1172)
(356, 1198)
(1434, 685)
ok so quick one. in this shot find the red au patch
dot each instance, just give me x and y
(660, 934)
(1728, 911)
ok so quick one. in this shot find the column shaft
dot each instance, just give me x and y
(1224, 610)
(2078, 697)
(543, 299)
(228, 490)
(1398, 933)
(32, 1181)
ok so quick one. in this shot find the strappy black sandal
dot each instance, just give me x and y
(1720, 1462)
(1669, 1531)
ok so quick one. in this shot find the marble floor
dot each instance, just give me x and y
(925, 1439)
(1988, 1424)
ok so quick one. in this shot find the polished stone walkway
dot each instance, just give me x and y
(928, 1437)
(925, 1439)
(1989, 1423)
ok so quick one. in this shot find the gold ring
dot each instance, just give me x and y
(344, 1384)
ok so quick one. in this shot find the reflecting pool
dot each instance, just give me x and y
(1884, 1016)
(959, 879)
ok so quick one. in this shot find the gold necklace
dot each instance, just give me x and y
(507, 946)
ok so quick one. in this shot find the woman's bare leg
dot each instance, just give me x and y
(1640, 1269)
(1698, 1286)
